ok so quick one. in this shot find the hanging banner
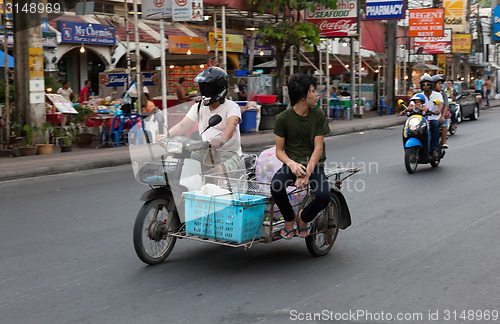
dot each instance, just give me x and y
(181, 45)
(426, 22)
(156, 9)
(434, 45)
(197, 6)
(384, 9)
(461, 43)
(335, 23)
(182, 10)
(454, 14)
(496, 23)
(234, 43)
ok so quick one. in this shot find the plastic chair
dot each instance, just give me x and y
(115, 132)
(383, 106)
(137, 130)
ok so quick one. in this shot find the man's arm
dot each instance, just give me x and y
(181, 127)
(228, 133)
(297, 169)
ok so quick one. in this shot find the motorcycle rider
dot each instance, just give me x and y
(213, 84)
(430, 95)
(438, 80)
(452, 94)
(417, 101)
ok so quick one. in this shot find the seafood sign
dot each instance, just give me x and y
(335, 23)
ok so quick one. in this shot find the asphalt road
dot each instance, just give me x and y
(421, 246)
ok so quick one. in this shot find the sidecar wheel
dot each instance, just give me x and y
(153, 226)
(324, 229)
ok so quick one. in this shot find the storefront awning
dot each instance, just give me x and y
(427, 67)
(10, 60)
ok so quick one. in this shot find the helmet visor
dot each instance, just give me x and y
(208, 90)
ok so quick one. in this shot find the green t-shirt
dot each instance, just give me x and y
(299, 133)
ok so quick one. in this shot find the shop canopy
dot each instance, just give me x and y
(423, 66)
(10, 60)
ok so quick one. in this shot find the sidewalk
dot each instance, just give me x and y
(92, 158)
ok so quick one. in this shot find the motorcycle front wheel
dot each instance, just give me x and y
(153, 226)
(325, 227)
(411, 159)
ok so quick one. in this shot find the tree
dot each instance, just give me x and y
(289, 30)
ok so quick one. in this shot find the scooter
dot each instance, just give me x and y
(451, 130)
(416, 140)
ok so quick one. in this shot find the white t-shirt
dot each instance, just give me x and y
(430, 104)
(66, 93)
(227, 109)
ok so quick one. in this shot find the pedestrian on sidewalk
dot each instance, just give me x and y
(487, 87)
(479, 85)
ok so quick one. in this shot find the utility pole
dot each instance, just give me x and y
(28, 54)
(390, 37)
(6, 78)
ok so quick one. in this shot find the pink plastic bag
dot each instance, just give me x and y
(267, 165)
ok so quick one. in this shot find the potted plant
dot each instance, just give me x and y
(46, 148)
(83, 139)
(28, 148)
(67, 138)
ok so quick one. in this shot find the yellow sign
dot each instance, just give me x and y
(36, 62)
(461, 43)
(441, 63)
(234, 43)
(454, 14)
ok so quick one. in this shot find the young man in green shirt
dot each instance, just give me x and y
(300, 133)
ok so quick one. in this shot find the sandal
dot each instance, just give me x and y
(300, 230)
(288, 232)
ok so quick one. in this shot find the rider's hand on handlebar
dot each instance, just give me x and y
(218, 142)
(297, 169)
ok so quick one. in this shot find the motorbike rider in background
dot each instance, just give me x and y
(452, 94)
(438, 81)
(417, 101)
(430, 95)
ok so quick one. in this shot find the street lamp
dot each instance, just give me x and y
(82, 49)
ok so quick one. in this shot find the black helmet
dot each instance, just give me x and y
(426, 78)
(438, 77)
(213, 84)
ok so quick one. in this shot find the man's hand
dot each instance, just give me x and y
(218, 142)
(160, 136)
(440, 120)
(302, 182)
(297, 169)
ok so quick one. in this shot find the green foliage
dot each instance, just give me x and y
(29, 133)
(67, 136)
(286, 32)
(50, 82)
(2, 91)
(46, 130)
(83, 113)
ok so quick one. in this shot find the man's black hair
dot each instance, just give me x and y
(298, 87)
(182, 79)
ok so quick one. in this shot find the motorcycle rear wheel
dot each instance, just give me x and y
(325, 227)
(153, 225)
(411, 159)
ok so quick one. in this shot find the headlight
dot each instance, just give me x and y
(413, 123)
(174, 147)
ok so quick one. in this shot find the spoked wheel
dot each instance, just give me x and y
(325, 228)
(152, 229)
(411, 159)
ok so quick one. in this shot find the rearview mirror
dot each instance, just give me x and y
(436, 102)
(400, 102)
(214, 120)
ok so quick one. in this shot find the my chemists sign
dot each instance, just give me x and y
(335, 23)
(76, 32)
(384, 9)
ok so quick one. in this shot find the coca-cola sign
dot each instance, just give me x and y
(434, 45)
(335, 23)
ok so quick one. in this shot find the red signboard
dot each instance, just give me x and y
(434, 45)
(426, 22)
(335, 23)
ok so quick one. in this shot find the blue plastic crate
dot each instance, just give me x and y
(224, 218)
(248, 121)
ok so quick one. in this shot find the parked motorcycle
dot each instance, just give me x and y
(416, 140)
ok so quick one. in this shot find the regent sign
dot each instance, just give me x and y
(426, 22)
